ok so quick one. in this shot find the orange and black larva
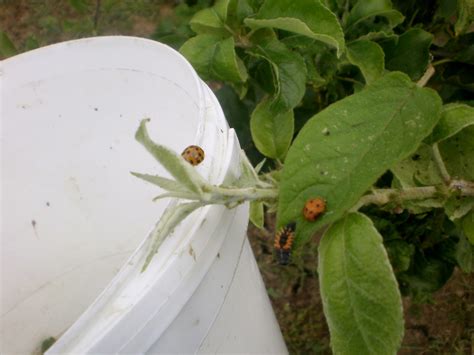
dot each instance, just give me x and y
(313, 208)
(283, 243)
(193, 154)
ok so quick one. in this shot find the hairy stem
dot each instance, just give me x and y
(383, 196)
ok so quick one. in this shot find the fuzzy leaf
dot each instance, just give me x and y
(306, 17)
(181, 170)
(361, 300)
(369, 57)
(271, 131)
(170, 218)
(342, 150)
(164, 183)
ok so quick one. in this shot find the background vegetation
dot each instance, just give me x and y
(439, 322)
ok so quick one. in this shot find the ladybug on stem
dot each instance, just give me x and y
(283, 243)
(193, 154)
(313, 208)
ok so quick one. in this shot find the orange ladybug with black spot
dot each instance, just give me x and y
(313, 208)
(193, 154)
(283, 243)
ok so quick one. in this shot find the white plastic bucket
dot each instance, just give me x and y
(73, 219)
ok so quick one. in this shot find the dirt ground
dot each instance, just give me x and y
(445, 326)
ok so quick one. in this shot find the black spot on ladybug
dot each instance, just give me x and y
(193, 154)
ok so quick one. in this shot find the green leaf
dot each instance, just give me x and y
(468, 226)
(418, 170)
(7, 48)
(458, 154)
(164, 183)
(400, 254)
(427, 275)
(271, 131)
(256, 214)
(341, 151)
(171, 217)
(410, 54)
(181, 170)
(240, 9)
(465, 16)
(248, 177)
(458, 206)
(365, 9)
(306, 17)
(212, 19)
(465, 254)
(289, 73)
(369, 57)
(454, 117)
(361, 300)
(214, 58)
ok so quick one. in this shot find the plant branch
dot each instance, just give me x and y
(426, 76)
(463, 187)
(383, 196)
(440, 164)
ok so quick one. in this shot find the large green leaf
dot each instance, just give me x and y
(365, 9)
(410, 53)
(454, 117)
(212, 19)
(341, 151)
(369, 57)
(361, 300)
(306, 17)
(214, 58)
(289, 73)
(272, 131)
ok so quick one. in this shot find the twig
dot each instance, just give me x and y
(440, 164)
(426, 76)
(383, 196)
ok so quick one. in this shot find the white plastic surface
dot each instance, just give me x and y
(71, 214)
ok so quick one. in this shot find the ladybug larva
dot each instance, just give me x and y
(193, 154)
(283, 243)
(313, 208)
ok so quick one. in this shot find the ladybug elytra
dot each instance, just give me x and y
(313, 208)
(283, 243)
(193, 154)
